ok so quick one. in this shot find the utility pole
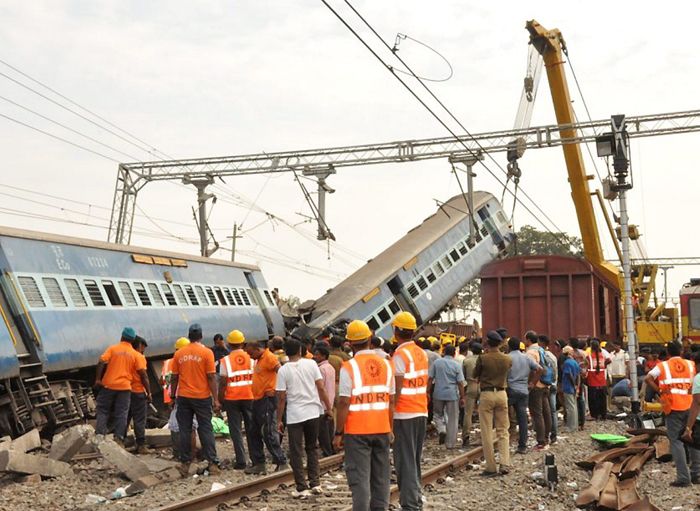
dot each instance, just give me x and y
(201, 216)
(616, 144)
(233, 241)
(469, 161)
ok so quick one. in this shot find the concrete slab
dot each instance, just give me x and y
(132, 467)
(149, 481)
(24, 443)
(69, 442)
(158, 438)
(22, 463)
(30, 479)
(156, 464)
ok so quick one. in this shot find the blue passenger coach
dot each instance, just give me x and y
(64, 300)
(421, 272)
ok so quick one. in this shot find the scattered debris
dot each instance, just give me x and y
(25, 443)
(22, 463)
(131, 466)
(68, 443)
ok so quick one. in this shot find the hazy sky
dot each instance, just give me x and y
(213, 78)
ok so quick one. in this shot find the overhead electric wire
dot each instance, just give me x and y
(437, 117)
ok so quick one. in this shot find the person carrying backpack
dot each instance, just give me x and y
(538, 401)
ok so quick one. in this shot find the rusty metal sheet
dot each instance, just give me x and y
(600, 476)
(642, 505)
(610, 455)
(663, 449)
(633, 465)
(642, 431)
(608, 497)
(640, 438)
(627, 493)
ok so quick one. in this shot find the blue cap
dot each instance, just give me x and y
(128, 333)
(494, 336)
(195, 332)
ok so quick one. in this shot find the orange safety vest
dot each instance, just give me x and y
(368, 413)
(239, 379)
(165, 375)
(675, 382)
(413, 397)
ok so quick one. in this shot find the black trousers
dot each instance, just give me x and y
(303, 437)
(326, 429)
(598, 401)
(187, 409)
(239, 411)
(138, 410)
(113, 404)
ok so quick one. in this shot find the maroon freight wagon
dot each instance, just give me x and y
(560, 296)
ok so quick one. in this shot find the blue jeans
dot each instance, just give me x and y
(139, 412)
(187, 409)
(553, 409)
(581, 405)
(675, 425)
(519, 400)
(114, 403)
(264, 429)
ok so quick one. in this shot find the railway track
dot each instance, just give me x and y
(338, 497)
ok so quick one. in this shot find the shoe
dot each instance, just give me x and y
(553, 440)
(504, 471)
(142, 449)
(441, 438)
(301, 494)
(184, 468)
(521, 450)
(281, 467)
(256, 469)
(486, 473)
(695, 479)
(213, 469)
(679, 484)
(119, 441)
(465, 441)
(541, 447)
(239, 466)
(317, 490)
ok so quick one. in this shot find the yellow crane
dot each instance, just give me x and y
(654, 323)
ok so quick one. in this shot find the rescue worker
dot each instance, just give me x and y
(140, 397)
(166, 383)
(194, 383)
(673, 380)
(472, 393)
(236, 394)
(364, 421)
(115, 370)
(411, 410)
(264, 424)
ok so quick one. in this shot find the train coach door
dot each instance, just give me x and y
(491, 228)
(261, 302)
(402, 297)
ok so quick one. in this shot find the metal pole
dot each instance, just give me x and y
(233, 242)
(322, 229)
(629, 312)
(202, 224)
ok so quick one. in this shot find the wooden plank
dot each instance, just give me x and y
(600, 476)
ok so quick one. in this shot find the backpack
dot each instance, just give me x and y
(547, 376)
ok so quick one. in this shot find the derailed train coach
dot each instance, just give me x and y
(63, 300)
(420, 273)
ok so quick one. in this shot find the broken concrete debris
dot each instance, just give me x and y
(69, 442)
(22, 463)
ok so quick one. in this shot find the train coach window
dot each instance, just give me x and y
(394, 307)
(31, 292)
(191, 295)
(127, 293)
(155, 294)
(75, 293)
(211, 295)
(373, 324)
(439, 270)
(454, 255)
(462, 248)
(237, 296)
(229, 296)
(221, 297)
(54, 291)
(111, 293)
(447, 262)
(269, 298)
(694, 312)
(244, 295)
(422, 284)
(413, 291)
(142, 294)
(501, 217)
(201, 295)
(169, 296)
(430, 276)
(384, 316)
(94, 293)
(180, 294)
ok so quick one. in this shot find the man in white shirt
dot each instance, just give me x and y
(300, 388)
(619, 363)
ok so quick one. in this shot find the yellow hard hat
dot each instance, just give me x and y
(421, 339)
(181, 343)
(235, 337)
(404, 320)
(432, 339)
(358, 331)
(603, 344)
(522, 346)
(462, 338)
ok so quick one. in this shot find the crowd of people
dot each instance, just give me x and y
(373, 397)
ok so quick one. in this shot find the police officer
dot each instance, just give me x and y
(364, 417)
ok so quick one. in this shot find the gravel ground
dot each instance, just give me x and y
(464, 490)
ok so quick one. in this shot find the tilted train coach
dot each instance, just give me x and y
(420, 273)
(64, 300)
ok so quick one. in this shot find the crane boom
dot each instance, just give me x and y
(552, 46)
